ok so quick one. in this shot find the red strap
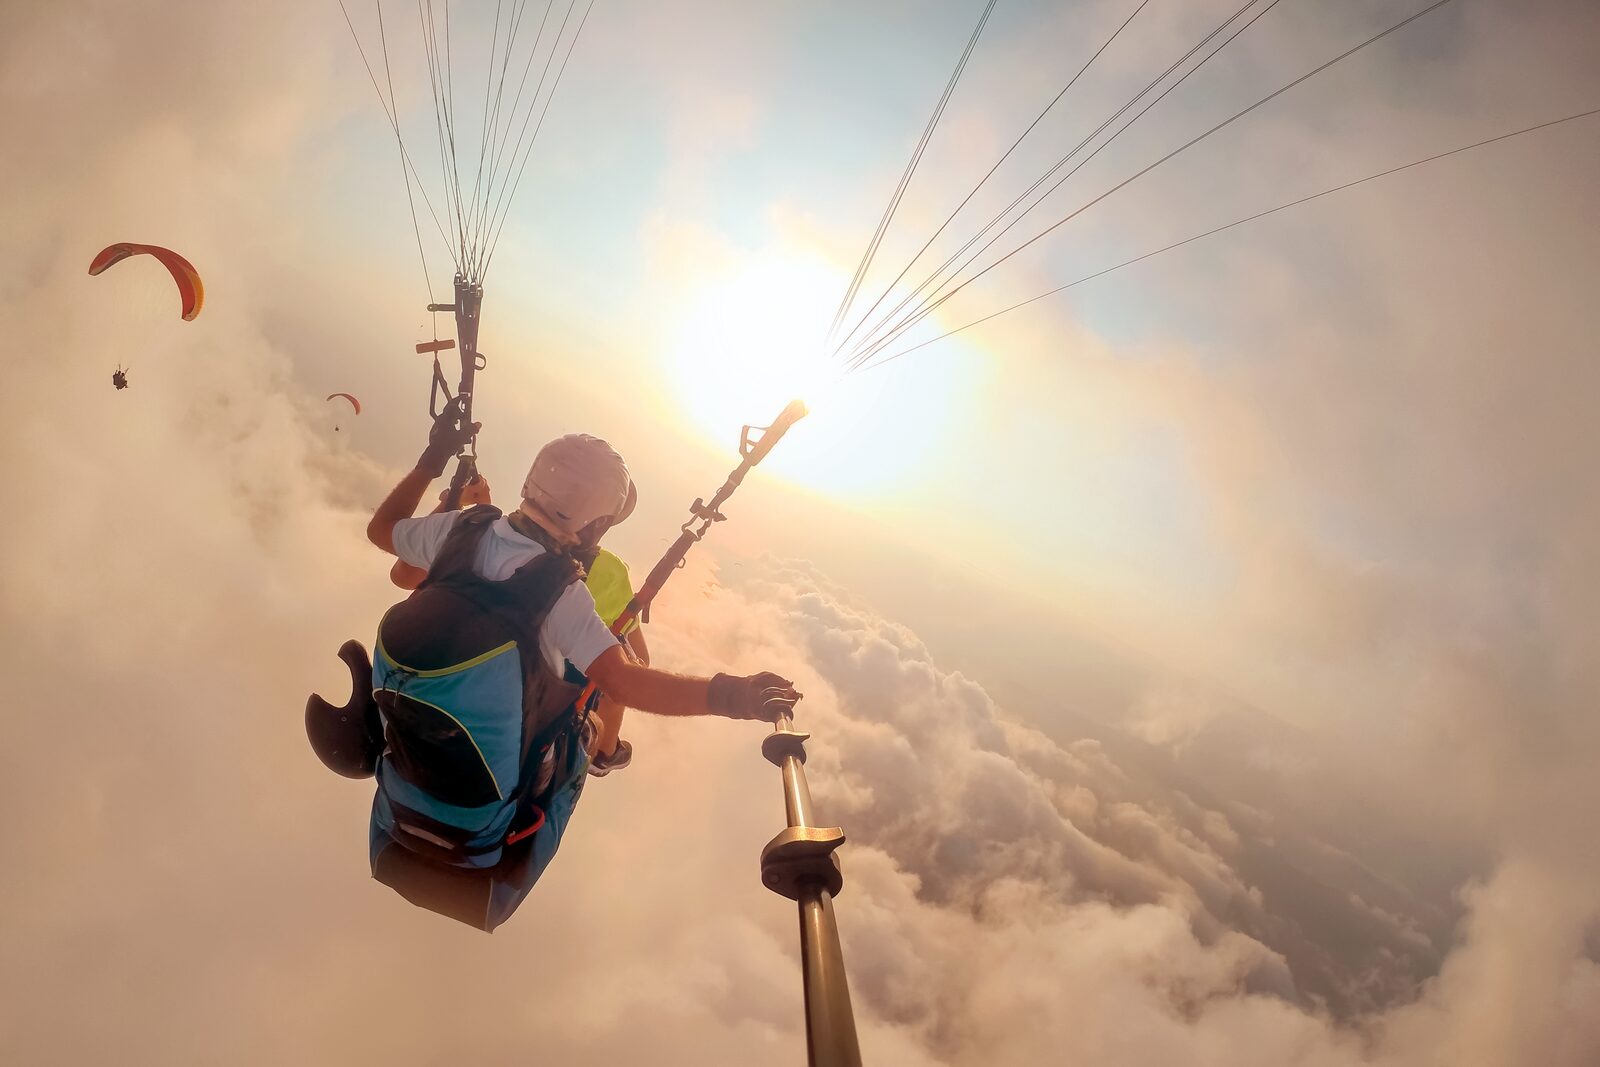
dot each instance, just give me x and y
(529, 830)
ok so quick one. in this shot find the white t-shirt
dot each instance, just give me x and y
(571, 632)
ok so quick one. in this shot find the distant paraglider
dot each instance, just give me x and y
(190, 289)
(354, 403)
(119, 377)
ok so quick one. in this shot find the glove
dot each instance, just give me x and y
(447, 438)
(764, 696)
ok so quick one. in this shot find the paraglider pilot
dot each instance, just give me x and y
(119, 377)
(477, 675)
(612, 588)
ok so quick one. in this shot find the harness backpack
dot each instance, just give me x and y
(471, 710)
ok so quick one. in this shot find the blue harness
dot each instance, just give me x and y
(483, 760)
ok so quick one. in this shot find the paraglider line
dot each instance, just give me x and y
(871, 250)
(497, 226)
(981, 181)
(405, 157)
(444, 165)
(936, 278)
(389, 77)
(509, 186)
(450, 112)
(502, 136)
(1170, 155)
(870, 347)
(1237, 222)
(495, 91)
(488, 86)
(444, 115)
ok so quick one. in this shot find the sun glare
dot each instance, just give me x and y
(752, 340)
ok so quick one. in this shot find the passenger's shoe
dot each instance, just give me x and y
(601, 766)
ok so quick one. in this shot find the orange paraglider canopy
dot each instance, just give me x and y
(190, 288)
(353, 401)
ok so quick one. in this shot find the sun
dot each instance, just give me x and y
(754, 338)
(751, 341)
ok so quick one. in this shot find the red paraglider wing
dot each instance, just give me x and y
(190, 288)
(353, 401)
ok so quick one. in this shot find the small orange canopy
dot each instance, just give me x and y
(353, 401)
(190, 288)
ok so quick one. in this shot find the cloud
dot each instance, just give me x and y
(1028, 861)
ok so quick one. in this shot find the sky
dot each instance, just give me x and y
(1200, 661)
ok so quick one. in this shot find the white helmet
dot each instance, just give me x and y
(578, 479)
